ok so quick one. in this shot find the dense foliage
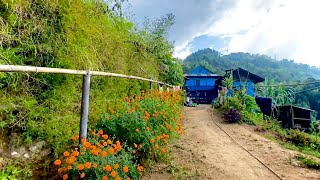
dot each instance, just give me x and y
(146, 124)
(74, 34)
(242, 108)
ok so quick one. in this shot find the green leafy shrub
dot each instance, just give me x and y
(298, 138)
(235, 103)
(314, 129)
(248, 118)
(215, 103)
(145, 122)
(308, 162)
(249, 103)
(98, 157)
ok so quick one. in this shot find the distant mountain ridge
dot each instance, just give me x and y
(280, 70)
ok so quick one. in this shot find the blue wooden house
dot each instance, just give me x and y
(202, 85)
(244, 79)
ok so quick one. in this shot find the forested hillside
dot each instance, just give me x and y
(281, 71)
(274, 71)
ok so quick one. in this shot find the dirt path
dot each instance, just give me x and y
(206, 152)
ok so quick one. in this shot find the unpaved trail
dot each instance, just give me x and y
(206, 152)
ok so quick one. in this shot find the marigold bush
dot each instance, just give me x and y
(97, 158)
(146, 124)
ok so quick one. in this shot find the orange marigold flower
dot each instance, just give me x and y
(100, 132)
(83, 140)
(95, 152)
(88, 165)
(95, 165)
(105, 136)
(118, 147)
(163, 150)
(108, 168)
(70, 160)
(152, 140)
(104, 178)
(82, 175)
(116, 166)
(127, 178)
(111, 150)
(80, 167)
(156, 146)
(86, 144)
(57, 162)
(148, 129)
(158, 137)
(137, 130)
(117, 178)
(113, 174)
(140, 168)
(69, 167)
(65, 176)
(75, 153)
(66, 153)
(125, 169)
(103, 153)
(92, 147)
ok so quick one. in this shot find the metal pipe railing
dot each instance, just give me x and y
(35, 69)
(85, 85)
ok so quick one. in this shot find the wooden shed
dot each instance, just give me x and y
(295, 117)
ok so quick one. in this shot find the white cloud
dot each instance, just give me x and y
(182, 51)
(281, 29)
(193, 17)
(278, 28)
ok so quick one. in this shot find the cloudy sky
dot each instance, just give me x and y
(279, 28)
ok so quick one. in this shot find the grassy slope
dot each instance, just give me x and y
(78, 35)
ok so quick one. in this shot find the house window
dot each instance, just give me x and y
(197, 82)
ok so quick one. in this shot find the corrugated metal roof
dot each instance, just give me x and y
(203, 75)
(201, 71)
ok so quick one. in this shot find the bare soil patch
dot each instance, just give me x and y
(204, 151)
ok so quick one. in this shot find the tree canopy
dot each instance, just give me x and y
(280, 70)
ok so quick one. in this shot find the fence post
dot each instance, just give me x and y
(84, 106)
